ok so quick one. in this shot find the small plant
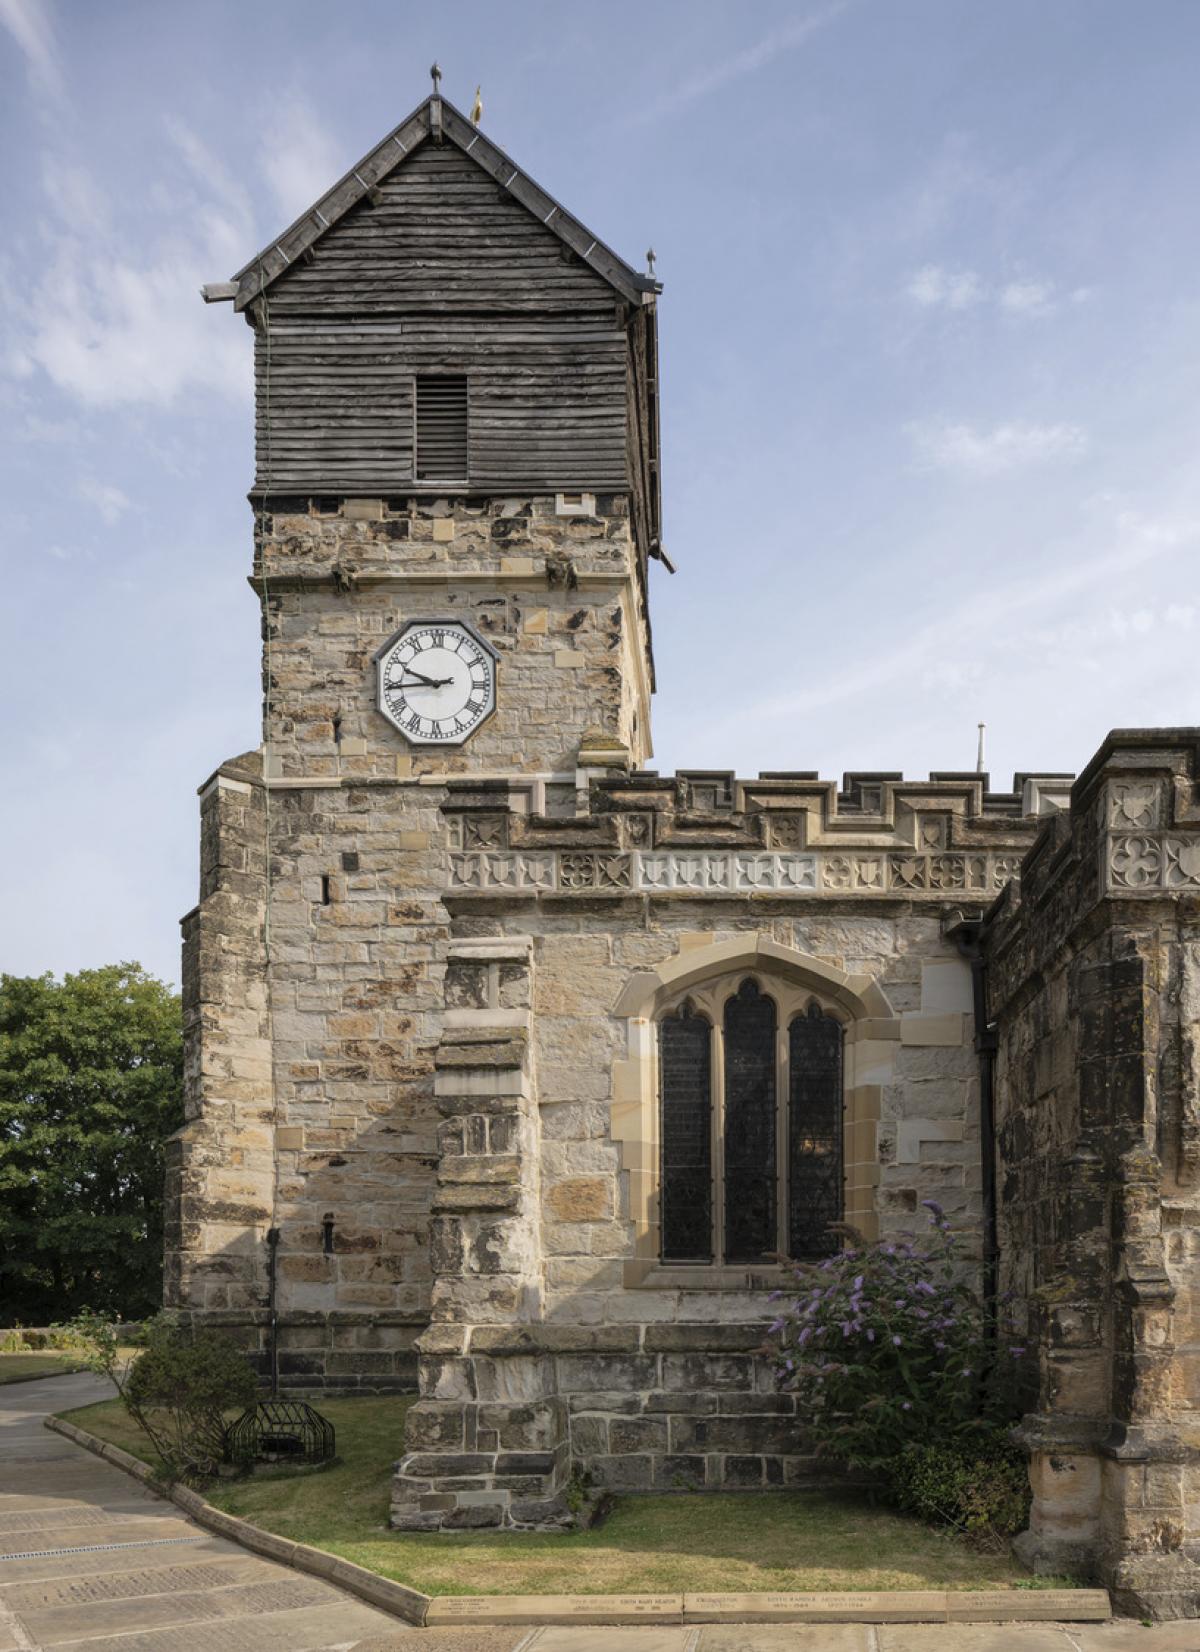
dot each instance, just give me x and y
(979, 1486)
(575, 1492)
(179, 1390)
(93, 1338)
(13, 1341)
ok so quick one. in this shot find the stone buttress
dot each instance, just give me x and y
(1092, 981)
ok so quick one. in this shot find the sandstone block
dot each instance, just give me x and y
(581, 1199)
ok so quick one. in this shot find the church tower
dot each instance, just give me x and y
(455, 501)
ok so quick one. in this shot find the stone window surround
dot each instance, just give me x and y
(710, 1000)
(704, 967)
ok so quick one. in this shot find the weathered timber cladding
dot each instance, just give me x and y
(446, 273)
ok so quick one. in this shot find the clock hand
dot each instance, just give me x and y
(421, 678)
(423, 682)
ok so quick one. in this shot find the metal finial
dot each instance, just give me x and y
(436, 73)
(649, 260)
(979, 754)
(477, 107)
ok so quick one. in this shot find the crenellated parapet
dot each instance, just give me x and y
(877, 837)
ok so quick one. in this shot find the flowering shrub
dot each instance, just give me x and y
(888, 1347)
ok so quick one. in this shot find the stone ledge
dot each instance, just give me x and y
(865, 1606)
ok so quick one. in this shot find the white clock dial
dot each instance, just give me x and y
(437, 681)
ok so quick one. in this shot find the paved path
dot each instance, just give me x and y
(88, 1558)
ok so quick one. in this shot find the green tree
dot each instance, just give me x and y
(90, 1088)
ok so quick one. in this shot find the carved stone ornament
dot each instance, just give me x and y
(1135, 862)
(1134, 805)
(812, 873)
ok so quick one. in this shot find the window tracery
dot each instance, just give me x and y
(750, 1124)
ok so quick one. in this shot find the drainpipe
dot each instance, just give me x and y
(968, 936)
(273, 1316)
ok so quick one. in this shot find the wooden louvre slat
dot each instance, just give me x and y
(441, 427)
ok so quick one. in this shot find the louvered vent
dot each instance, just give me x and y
(442, 428)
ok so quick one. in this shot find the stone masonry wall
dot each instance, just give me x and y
(559, 595)
(1092, 983)
(311, 1105)
(598, 1357)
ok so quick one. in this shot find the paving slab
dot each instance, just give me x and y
(976, 1637)
(335, 1628)
(459, 1638)
(67, 1563)
(90, 1559)
(580, 1638)
(1128, 1635)
(171, 1578)
(757, 1637)
(52, 1625)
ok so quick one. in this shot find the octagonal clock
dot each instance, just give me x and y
(437, 681)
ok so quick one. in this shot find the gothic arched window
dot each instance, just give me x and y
(750, 1126)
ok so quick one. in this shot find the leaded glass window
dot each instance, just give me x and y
(685, 1067)
(814, 1132)
(750, 1125)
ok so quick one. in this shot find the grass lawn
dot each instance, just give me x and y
(15, 1366)
(648, 1545)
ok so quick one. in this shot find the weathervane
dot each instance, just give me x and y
(649, 260)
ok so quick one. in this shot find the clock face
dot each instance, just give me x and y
(437, 681)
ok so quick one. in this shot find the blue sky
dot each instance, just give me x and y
(931, 335)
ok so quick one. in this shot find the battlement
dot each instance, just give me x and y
(707, 833)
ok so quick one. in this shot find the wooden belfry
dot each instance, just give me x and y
(437, 319)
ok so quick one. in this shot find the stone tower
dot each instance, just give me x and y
(457, 443)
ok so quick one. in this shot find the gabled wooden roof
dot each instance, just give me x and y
(435, 119)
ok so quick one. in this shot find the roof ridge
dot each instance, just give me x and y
(390, 152)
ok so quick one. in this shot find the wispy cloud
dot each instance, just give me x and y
(941, 445)
(786, 39)
(109, 500)
(1031, 298)
(939, 287)
(1134, 540)
(934, 287)
(31, 25)
(301, 160)
(113, 319)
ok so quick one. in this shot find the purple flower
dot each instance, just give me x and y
(1016, 1352)
(870, 1334)
(804, 1336)
(858, 1283)
(898, 1341)
(774, 1296)
(906, 1405)
(775, 1327)
(925, 1287)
